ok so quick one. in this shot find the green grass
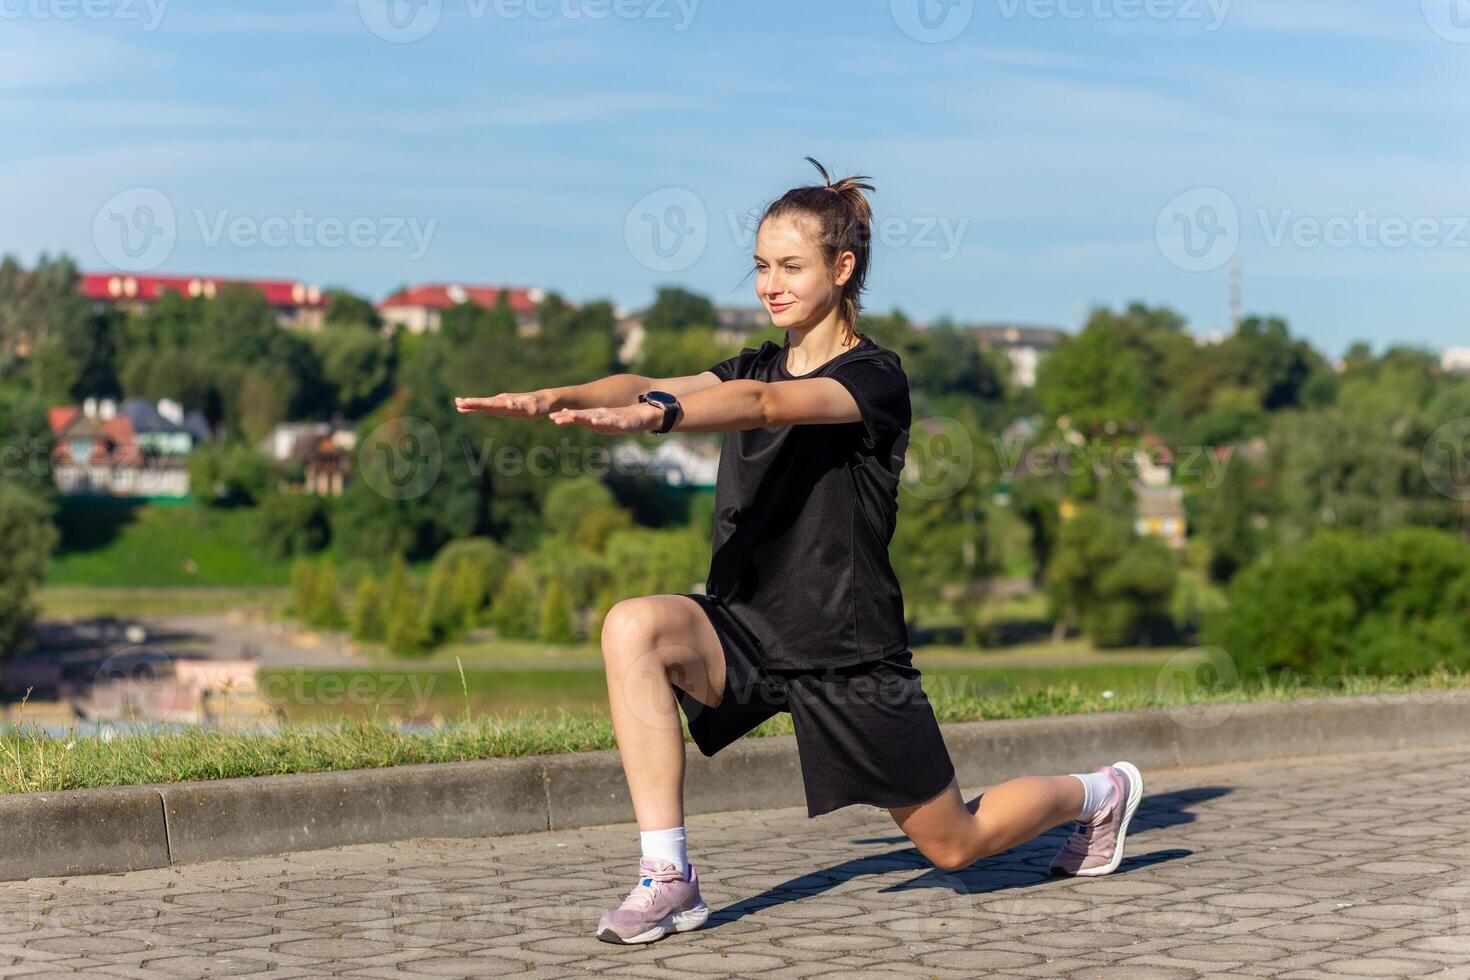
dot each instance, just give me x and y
(79, 602)
(423, 695)
(30, 761)
(119, 544)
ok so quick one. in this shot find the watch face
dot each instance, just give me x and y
(662, 397)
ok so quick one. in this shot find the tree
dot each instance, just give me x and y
(27, 538)
(369, 618)
(556, 615)
(675, 353)
(1113, 584)
(358, 366)
(675, 309)
(289, 524)
(1092, 380)
(326, 606)
(514, 612)
(346, 309)
(1351, 602)
(303, 589)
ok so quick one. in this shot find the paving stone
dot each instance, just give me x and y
(1235, 870)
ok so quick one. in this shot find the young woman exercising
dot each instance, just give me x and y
(802, 611)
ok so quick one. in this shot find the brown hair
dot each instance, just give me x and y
(845, 220)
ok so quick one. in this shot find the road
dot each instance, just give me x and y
(1303, 868)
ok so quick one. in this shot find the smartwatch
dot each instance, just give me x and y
(670, 406)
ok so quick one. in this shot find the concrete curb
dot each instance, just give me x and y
(99, 831)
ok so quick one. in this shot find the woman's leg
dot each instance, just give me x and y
(649, 645)
(954, 834)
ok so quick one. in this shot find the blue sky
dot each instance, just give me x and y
(1032, 157)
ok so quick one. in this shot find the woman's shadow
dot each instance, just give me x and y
(1023, 866)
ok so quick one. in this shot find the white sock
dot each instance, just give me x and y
(667, 844)
(1098, 792)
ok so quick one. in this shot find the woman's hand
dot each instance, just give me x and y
(508, 405)
(612, 421)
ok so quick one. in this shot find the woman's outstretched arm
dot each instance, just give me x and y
(739, 404)
(613, 391)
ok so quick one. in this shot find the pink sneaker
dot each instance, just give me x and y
(1097, 848)
(662, 902)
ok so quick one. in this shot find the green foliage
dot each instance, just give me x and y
(407, 629)
(1114, 584)
(25, 439)
(676, 353)
(289, 524)
(675, 309)
(1344, 602)
(358, 367)
(640, 562)
(555, 624)
(1229, 518)
(584, 512)
(303, 589)
(1091, 380)
(27, 538)
(346, 309)
(229, 474)
(325, 611)
(369, 611)
(514, 613)
(72, 347)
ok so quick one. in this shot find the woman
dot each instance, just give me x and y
(802, 611)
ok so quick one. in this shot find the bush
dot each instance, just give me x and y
(1345, 602)
(1116, 585)
(326, 606)
(513, 614)
(289, 524)
(303, 589)
(556, 615)
(369, 617)
(406, 631)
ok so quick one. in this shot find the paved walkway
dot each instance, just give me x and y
(1303, 869)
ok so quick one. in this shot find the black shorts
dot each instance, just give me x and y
(865, 733)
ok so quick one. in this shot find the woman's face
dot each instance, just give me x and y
(791, 278)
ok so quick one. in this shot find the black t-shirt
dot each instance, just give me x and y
(804, 515)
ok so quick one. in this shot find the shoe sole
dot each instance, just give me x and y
(1135, 794)
(684, 921)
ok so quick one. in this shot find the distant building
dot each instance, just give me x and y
(314, 457)
(1024, 346)
(298, 306)
(734, 326)
(687, 462)
(138, 450)
(737, 323)
(1456, 359)
(420, 309)
(1159, 513)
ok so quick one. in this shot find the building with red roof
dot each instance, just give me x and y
(298, 305)
(134, 450)
(420, 308)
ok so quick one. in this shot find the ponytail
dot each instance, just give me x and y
(845, 220)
